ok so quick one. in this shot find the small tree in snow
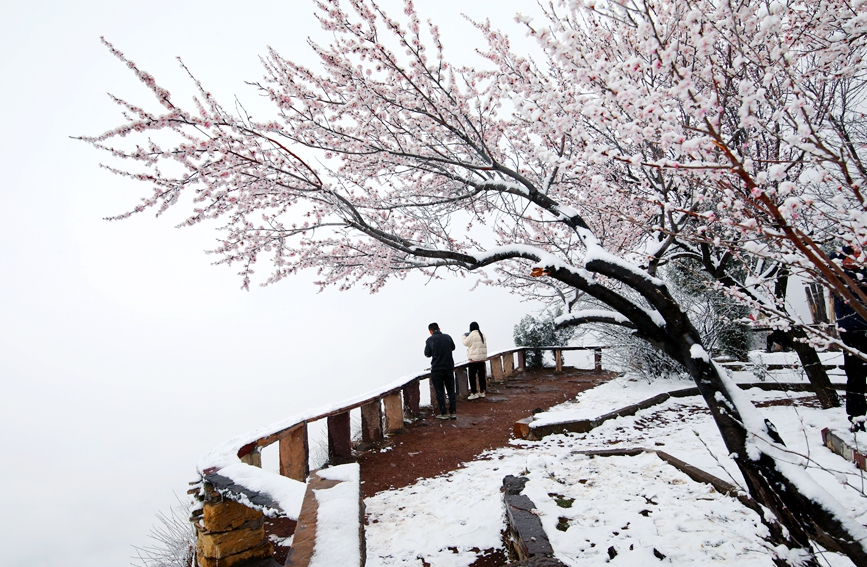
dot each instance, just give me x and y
(174, 541)
(540, 331)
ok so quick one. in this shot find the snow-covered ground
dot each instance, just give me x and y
(640, 508)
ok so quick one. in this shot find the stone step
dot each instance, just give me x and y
(835, 441)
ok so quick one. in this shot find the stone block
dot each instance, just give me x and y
(508, 364)
(371, 422)
(393, 413)
(521, 429)
(263, 551)
(227, 515)
(223, 544)
(525, 528)
(497, 369)
(836, 444)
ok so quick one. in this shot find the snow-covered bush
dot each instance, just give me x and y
(539, 331)
(634, 356)
(717, 316)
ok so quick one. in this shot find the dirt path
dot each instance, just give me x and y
(431, 447)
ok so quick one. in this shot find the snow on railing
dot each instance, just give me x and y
(231, 473)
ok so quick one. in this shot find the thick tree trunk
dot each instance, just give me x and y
(809, 358)
(814, 369)
(794, 519)
(799, 519)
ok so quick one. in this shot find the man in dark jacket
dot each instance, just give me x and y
(853, 333)
(438, 348)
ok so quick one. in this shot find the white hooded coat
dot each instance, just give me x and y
(477, 350)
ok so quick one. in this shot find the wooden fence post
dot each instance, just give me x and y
(597, 359)
(433, 394)
(497, 369)
(393, 413)
(253, 458)
(462, 388)
(558, 358)
(508, 364)
(521, 365)
(371, 422)
(411, 398)
(339, 439)
(294, 454)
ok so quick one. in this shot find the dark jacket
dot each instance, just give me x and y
(438, 348)
(847, 318)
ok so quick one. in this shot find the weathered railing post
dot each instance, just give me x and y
(393, 413)
(253, 457)
(508, 364)
(462, 388)
(371, 422)
(521, 363)
(339, 439)
(497, 369)
(294, 453)
(411, 399)
(433, 392)
(558, 359)
(597, 359)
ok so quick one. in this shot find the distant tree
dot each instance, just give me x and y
(540, 331)
(718, 318)
(391, 160)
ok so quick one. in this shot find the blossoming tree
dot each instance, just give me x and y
(689, 117)
(388, 159)
(742, 123)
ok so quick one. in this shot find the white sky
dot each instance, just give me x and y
(123, 354)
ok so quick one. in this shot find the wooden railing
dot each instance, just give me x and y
(382, 414)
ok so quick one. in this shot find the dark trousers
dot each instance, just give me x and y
(477, 369)
(856, 372)
(444, 380)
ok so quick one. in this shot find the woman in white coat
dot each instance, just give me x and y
(477, 352)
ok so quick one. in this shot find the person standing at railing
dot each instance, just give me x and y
(477, 353)
(853, 333)
(438, 348)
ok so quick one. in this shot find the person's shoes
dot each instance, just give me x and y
(472, 396)
(453, 416)
(442, 416)
(481, 394)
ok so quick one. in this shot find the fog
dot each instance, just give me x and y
(124, 354)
